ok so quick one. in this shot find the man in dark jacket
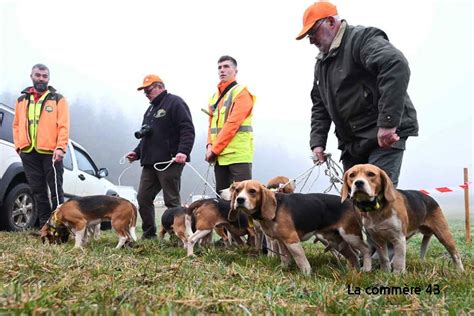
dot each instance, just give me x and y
(360, 84)
(167, 132)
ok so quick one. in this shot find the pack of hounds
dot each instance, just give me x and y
(273, 218)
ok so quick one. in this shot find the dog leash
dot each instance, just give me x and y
(334, 172)
(121, 162)
(197, 184)
(306, 173)
(275, 252)
(56, 183)
(364, 230)
(207, 177)
(169, 162)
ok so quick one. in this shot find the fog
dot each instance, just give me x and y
(98, 54)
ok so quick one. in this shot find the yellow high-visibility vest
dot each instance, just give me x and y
(240, 149)
(34, 112)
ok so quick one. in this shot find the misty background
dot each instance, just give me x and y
(99, 52)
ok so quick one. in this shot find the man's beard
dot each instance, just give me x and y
(40, 86)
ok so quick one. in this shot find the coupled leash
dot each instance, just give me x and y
(333, 171)
(306, 174)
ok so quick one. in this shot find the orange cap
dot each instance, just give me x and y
(315, 12)
(149, 80)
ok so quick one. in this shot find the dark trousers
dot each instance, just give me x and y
(226, 175)
(151, 183)
(40, 175)
(390, 160)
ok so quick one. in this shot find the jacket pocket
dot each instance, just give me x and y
(363, 122)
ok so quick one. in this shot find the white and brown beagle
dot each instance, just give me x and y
(76, 215)
(392, 216)
(292, 218)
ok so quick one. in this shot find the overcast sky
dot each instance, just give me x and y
(102, 51)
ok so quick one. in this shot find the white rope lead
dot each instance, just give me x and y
(122, 161)
(56, 184)
(210, 186)
(169, 162)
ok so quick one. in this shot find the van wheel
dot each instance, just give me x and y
(19, 211)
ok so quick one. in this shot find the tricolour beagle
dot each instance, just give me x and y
(292, 218)
(277, 184)
(209, 214)
(393, 216)
(173, 222)
(77, 214)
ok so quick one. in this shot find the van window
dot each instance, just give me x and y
(84, 162)
(67, 160)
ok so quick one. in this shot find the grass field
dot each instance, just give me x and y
(157, 277)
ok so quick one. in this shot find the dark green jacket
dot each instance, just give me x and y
(360, 85)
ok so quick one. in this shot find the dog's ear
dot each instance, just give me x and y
(388, 187)
(345, 187)
(268, 206)
(232, 194)
(233, 213)
(44, 232)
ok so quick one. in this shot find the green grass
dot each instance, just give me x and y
(157, 277)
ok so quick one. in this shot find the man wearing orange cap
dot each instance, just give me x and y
(360, 84)
(167, 132)
(230, 135)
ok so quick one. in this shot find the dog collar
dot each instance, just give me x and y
(55, 218)
(251, 224)
(257, 215)
(53, 230)
(369, 206)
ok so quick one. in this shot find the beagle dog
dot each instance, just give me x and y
(269, 245)
(293, 218)
(76, 215)
(392, 216)
(281, 184)
(173, 222)
(212, 214)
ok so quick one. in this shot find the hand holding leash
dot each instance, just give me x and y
(319, 156)
(131, 156)
(58, 155)
(210, 156)
(180, 158)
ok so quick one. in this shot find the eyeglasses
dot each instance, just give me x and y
(312, 32)
(148, 90)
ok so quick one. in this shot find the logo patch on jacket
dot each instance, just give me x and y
(48, 109)
(160, 113)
